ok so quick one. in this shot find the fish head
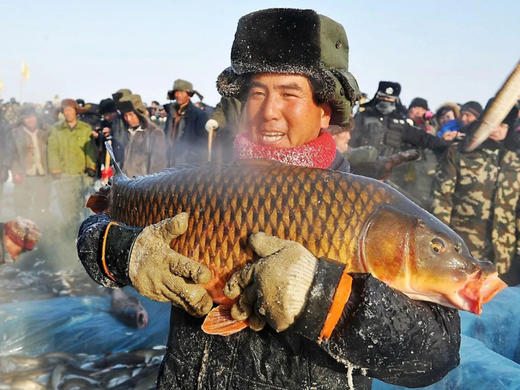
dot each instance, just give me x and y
(415, 253)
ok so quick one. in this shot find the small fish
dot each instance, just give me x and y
(127, 309)
(355, 220)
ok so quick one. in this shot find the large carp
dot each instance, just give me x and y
(355, 220)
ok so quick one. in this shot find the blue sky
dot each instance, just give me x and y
(441, 50)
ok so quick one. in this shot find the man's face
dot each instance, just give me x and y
(69, 113)
(182, 97)
(467, 118)
(30, 122)
(341, 140)
(499, 133)
(281, 112)
(416, 113)
(131, 118)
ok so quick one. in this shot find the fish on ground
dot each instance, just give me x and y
(127, 309)
(355, 220)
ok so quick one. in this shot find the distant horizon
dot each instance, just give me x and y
(442, 51)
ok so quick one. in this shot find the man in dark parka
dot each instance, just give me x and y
(185, 132)
(378, 332)
(143, 142)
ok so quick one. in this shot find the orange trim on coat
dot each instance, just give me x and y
(103, 261)
(338, 303)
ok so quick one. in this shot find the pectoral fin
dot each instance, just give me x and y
(219, 322)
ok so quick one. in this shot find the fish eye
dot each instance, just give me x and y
(437, 245)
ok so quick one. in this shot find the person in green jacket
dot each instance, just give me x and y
(72, 163)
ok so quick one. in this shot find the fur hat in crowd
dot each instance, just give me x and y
(106, 106)
(27, 110)
(120, 93)
(180, 85)
(134, 103)
(293, 41)
(74, 104)
(448, 107)
(23, 232)
(419, 102)
(389, 89)
(472, 107)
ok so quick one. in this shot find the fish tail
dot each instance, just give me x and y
(219, 322)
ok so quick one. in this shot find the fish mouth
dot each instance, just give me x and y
(142, 321)
(478, 290)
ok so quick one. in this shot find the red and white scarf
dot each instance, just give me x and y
(319, 153)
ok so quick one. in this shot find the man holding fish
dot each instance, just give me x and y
(328, 327)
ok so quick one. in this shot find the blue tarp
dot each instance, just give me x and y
(490, 350)
(77, 324)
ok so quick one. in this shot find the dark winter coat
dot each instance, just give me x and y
(145, 151)
(391, 133)
(187, 137)
(381, 333)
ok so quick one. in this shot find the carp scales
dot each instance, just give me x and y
(355, 220)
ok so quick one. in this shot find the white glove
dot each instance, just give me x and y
(212, 124)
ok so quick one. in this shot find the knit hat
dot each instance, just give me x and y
(419, 102)
(389, 89)
(23, 232)
(134, 103)
(106, 106)
(293, 41)
(120, 93)
(472, 107)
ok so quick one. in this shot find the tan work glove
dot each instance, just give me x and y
(159, 273)
(273, 289)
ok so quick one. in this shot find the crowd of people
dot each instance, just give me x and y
(293, 102)
(62, 144)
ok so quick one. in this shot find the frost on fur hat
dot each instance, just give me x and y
(293, 41)
(23, 232)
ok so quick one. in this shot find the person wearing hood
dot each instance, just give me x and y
(185, 126)
(456, 128)
(144, 143)
(477, 194)
(291, 93)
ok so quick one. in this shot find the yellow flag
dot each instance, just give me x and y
(25, 71)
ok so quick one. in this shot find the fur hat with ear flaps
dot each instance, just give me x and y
(134, 103)
(293, 41)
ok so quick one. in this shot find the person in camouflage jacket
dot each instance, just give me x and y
(478, 195)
